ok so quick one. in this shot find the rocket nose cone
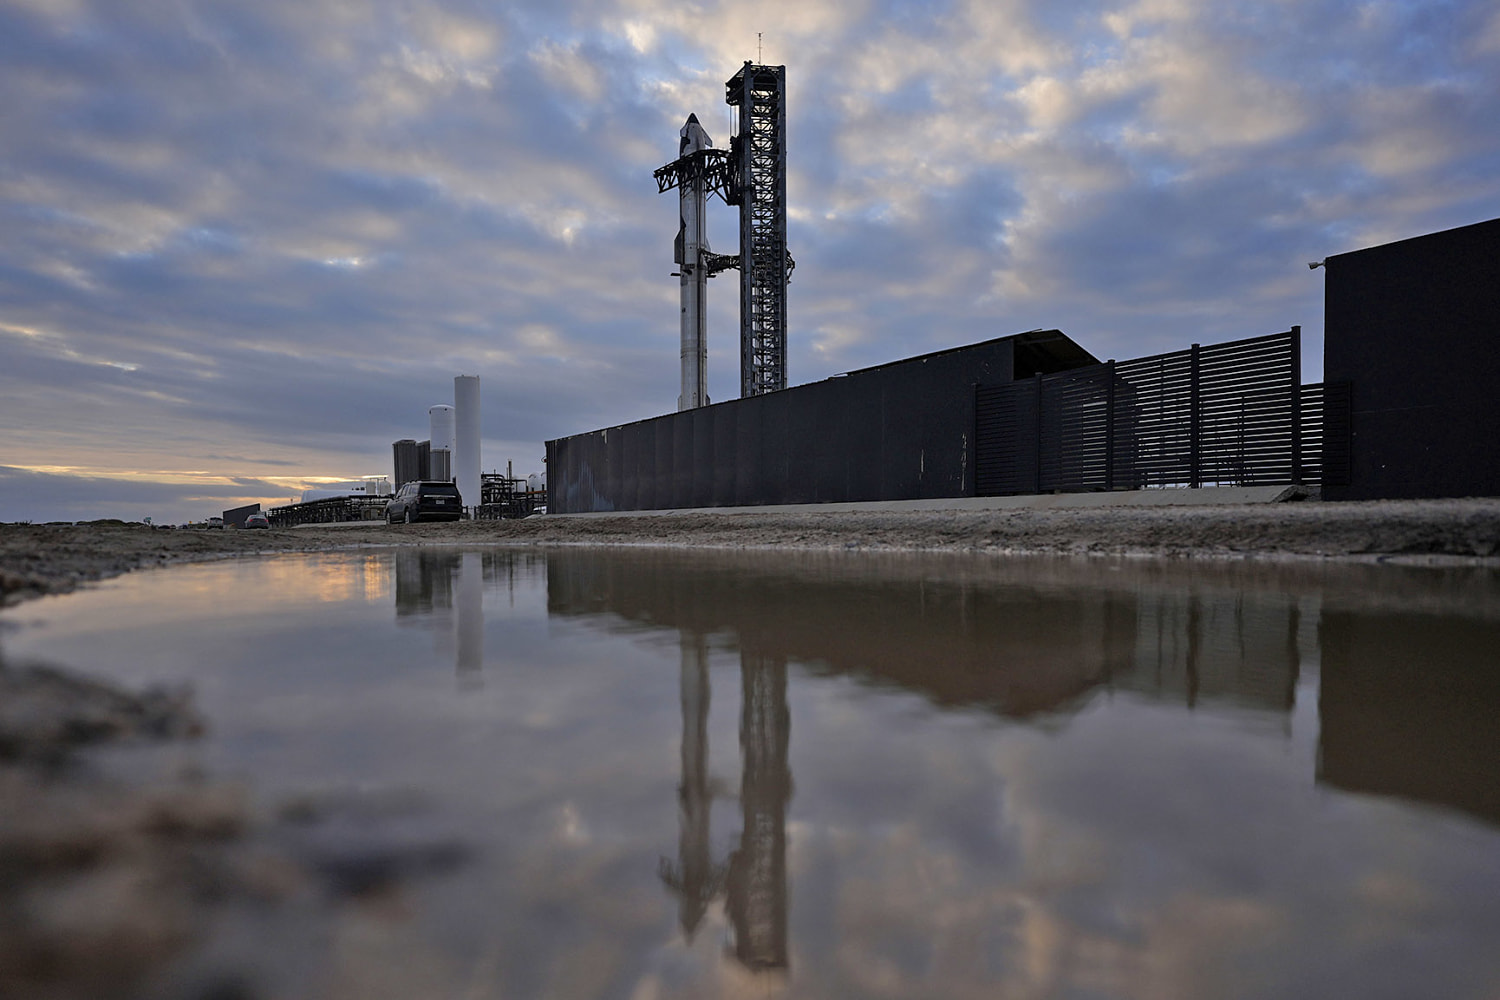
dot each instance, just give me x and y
(693, 137)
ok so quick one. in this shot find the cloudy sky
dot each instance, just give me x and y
(244, 245)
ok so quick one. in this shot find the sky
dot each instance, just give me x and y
(245, 245)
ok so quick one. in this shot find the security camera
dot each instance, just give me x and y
(1313, 265)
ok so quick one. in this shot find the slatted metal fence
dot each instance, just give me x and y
(1231, 414)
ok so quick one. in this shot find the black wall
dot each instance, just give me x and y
(236, 518)
(1415, 326)
(902, 431)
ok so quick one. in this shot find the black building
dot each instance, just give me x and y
(1414, 327)
(409, 464)
(235, 518)
(899, 431)
(1409, 408)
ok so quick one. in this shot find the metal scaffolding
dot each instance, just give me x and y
(758, 162)
(751, 175)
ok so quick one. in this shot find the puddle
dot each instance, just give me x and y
(669, 774)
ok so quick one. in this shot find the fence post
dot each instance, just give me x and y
(1109, 425)
(1195, 428)
(1297, 406)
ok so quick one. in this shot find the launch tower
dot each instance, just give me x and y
(758, 166)
(751, 175)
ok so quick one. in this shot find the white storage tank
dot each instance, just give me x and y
(440, 420)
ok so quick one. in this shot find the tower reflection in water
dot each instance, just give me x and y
(443, 591)
(753, 879)
(1015, 646)
(756, 885)
(1406, 699)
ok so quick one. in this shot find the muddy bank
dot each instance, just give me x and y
(1463, 528)
(38, 559)
(174, 884)
(169, 884)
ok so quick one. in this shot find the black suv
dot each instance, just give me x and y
(425, 502)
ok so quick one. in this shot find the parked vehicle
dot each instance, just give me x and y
(216, 522)
(425, 501)
(257, 521)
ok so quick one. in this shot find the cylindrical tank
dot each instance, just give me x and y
(405, 454)
(440, 420)
(466, 455)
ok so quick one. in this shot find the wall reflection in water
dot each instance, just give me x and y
(1410, 706)
(1021, 641)
(1404, 667)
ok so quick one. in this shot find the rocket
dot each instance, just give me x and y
(692, 243)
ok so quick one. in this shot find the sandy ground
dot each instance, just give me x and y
(38, 559)
(108, 888)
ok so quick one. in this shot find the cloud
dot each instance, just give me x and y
(43, 495)
(279, 229)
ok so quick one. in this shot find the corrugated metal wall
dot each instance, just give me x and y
(1415, 325)
(902, 431)
(1226, 414)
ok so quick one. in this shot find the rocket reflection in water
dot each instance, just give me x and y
(1030, 642)
(695, 878)
(1014, 649)
(754, 878)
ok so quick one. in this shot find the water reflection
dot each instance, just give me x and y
(753, 879)
(1021, 645)
(1199, 648)
(1408, 707)
(695, 878)
(1017, 777)
(756, 886)
(1021, 648)
(1407, 703)
(433, 584)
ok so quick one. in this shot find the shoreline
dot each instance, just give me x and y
(49, 559)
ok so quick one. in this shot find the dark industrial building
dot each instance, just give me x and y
(1414, 328)
(235, 518)
(1030, 413)
(901, 431)
(1409, 408)
(411, 459)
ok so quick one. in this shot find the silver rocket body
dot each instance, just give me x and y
(692, 243)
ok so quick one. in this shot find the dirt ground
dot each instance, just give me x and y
(106, 887)
(36, 559)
